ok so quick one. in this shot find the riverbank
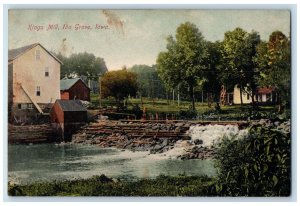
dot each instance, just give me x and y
(105, 186)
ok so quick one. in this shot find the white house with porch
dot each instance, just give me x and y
(265, 95)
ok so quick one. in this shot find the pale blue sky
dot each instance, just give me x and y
(134, 36)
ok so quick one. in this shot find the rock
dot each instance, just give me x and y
(200, 150)
(187, 125)
(165, 142)
(157, 147)
(200, 156)
(152, 151)
(179, 124)
(186, 138)
(198, 141)
(128, 146)
(155, 127)
(178, 129)
(165, 149)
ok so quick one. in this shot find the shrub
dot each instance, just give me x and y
(188, 114)
(258, 165)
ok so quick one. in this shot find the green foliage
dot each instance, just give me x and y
(104, 186)
(188, 114)
(238, 67)
(136, 110)
(274, 64)
(86, 64)
(183, 62)
(149, 83)
(258, 165)
(119, 84)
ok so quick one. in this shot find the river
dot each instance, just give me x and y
(48, 162)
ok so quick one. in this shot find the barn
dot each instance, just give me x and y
(71, 89)
(67, 116)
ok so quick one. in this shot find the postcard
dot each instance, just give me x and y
(149, 102)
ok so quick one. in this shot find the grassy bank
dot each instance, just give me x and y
(167, 108)
(104, 186)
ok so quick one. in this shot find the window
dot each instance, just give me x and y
(46, 71)
(38, 91)
(248, 96)
(30, 106)
(37, 55)
(22, 106)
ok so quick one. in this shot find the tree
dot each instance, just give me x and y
(238, 51)
(149, 83)
(183, 62)
(119, 84)
(212, 81)
(86, 64)
(274, 64)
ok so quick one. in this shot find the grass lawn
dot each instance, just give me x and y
(104, 186)
(203, 111)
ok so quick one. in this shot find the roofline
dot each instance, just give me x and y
(57, 100)
(74, 84)
(34, 45)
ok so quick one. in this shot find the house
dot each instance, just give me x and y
(74, 89)
(33, 81)
(67, 116)
(263, 95)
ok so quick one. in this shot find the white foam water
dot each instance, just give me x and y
(213, 134)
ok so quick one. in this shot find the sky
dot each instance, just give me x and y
(129, 37)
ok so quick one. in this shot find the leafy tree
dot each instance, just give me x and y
(183, 62)
(86, 64)
(238, 51)
(212, 81)
(274, 64)
(149, 83)
(119, 84)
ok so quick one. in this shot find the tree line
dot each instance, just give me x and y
(82, 64)
(191, 64)
(241, 59)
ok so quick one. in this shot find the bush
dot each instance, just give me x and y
(188, 114)
(258, 165)
(137, 111)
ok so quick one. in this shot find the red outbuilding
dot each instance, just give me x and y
(67, 116)
(74, 89)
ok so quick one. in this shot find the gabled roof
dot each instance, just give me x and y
(265, 90)
(71, 105)
(15, 53)
(66, 84)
